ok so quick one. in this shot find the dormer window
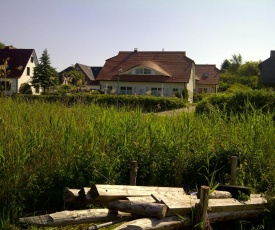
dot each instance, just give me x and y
(143, 71)
(205, 75)
(147, 71)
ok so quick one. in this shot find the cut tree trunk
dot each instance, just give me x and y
(140, 208)
(166, 223)
(65, 218)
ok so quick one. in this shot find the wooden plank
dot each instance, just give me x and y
(184, 206)
(101, 192)
(170, 196)
(140, 208)
(231, 204)
(65, 218)
(145, 199)
(166, 223)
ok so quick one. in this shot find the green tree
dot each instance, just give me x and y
(75, 77)
(236, 62)
(250, 68)
(2, 45)
(45, 75)
(225, 65)
(4, 85)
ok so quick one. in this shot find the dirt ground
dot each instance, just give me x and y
(190, 108)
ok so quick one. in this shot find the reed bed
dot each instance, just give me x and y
(45, 147)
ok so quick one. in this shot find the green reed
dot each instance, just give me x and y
(47, 147)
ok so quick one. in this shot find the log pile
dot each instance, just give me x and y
(147, 207)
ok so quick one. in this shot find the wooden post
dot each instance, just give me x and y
(234, 163)
(133, 173)
(204, 195)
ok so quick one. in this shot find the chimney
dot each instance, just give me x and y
(272, 53)
(136, 49)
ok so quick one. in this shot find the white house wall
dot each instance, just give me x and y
(191, 84)
(143, 88)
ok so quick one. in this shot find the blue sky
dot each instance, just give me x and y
(91, 31)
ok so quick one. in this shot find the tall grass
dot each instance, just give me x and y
(47, 147)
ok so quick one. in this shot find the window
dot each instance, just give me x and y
(139, 71)
(109, 89)
(199, 90)
(143, 71)
(126, 90)
(28, 71)
(205, 90)
(156, 91)
(205, 75)
(147, 71)
(5, 85)
(37, 89)
(31, 59)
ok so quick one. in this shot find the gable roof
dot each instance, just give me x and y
(18, 59)
(207, 74)
(173, 66)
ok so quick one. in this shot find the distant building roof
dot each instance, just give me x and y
(207, 74)
(172, 66)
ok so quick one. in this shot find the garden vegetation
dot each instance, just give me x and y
(45, 147)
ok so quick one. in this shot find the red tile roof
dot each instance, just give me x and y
(18, 60)
(173, 66)
(207, 74)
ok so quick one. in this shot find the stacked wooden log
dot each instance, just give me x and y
(146, 207)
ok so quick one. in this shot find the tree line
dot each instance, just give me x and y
(236, 75)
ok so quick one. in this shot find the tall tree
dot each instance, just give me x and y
(236, 62)
(4, 85)
(225, 65)
(45, 75)
(2, 45)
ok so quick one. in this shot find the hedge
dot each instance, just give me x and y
(144, 102)
(239, 102)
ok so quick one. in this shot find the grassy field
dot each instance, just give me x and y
(47, 147)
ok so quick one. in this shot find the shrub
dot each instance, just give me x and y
(25, 88)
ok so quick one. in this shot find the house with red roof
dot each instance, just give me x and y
(161, 73)
(207, 79)
(21, 63)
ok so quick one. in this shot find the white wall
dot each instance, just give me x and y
(143, 88)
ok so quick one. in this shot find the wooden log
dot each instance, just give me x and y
(166, 223)
(65, 218)
(133, 172)
(140, 208)
(235, 190)
(115, 192)
(70, 195)
(203, 206)
(234, 164)
(235, 215)
(174, 222)
(216, 194)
